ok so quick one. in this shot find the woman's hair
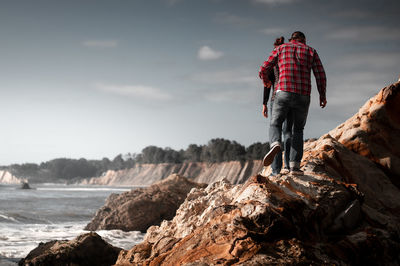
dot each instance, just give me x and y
(279, 41)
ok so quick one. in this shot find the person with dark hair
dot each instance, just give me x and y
(273, 78)
(295, 60)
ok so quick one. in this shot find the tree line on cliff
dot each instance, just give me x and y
(216, 150)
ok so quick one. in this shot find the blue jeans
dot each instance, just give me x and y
(276, 165)
(284, 103)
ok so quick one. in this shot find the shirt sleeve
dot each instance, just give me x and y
(319, 74)
(266, 95)
(267, 66)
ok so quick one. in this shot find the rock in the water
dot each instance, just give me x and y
(139, 209)
(25, 185)
(87, 249)
(344, 210)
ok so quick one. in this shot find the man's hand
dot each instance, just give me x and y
(265, 111)
(322, 102)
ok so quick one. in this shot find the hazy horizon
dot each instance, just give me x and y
(94, 79)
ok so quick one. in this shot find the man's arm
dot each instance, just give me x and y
(265, 101)
(267, 67)
(320, 78)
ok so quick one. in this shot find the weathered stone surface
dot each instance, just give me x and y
(374, 131)
(87, 249)
(139, 209)
(344, 210)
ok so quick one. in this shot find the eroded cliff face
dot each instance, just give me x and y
(146, 174)
(7, 178)
(344, 210)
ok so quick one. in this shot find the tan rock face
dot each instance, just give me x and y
(344, 210)
(374, 131)
(87, 249)
(138, 209)
(146, 174)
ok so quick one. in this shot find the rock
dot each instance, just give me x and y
(139, 209)
(87, 249)
(25, 185)
(374, 131)
(344, 210)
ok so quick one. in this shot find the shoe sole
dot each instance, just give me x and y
(271, 155)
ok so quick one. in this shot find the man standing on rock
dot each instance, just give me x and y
(295, 60)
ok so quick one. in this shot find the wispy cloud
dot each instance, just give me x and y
(206, 53)
(274, 31)
(365, 33)
(228, 77)
(353, 13)
(228, 18)
(101, 43)
(375, 61)
(135, 91)
(242, 96)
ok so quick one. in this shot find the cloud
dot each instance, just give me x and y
(229, 77)
(227, 18)
(365, 33)
(353, 13)
(135, 91)
(375, 61)
(101, 43)
(274, 31)
(206, 53)
(242, 96)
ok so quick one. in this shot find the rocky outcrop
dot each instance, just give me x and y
(344, 210)
(374, 132)
(138, 209)
(87, 249)
(146, 174)
(7, 178)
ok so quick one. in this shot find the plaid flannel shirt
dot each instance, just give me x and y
(295, 61)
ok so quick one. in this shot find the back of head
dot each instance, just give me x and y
(279, 41)
(298, 36)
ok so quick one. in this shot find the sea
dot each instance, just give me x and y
(52, 212)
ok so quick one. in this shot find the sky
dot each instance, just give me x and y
(93, 79)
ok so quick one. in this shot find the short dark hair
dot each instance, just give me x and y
(298, 35)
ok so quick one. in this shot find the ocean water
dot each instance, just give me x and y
(53, 212)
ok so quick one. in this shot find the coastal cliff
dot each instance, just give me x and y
(7, 178)
(145, 174)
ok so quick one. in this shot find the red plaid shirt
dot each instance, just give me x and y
(295, 61)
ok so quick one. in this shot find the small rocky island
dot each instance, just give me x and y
(25, 185)
(345, 210)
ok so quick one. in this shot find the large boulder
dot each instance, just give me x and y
(87, 249)
(344, 210)
(139, 209)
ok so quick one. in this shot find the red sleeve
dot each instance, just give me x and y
(267, 66)
(319, 74)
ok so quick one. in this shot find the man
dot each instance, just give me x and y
(295, 60)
